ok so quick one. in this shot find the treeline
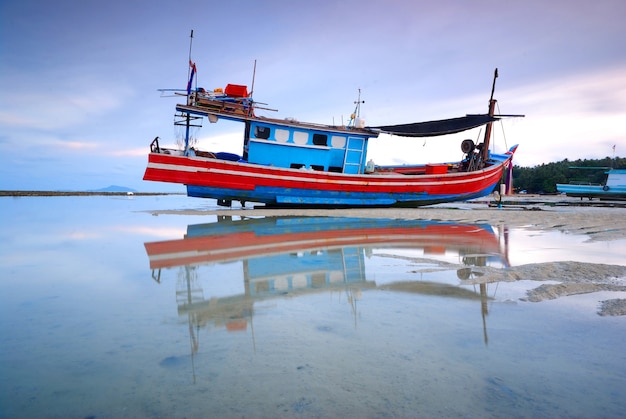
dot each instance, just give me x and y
(543, 178)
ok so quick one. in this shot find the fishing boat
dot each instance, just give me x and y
(285, 162)
(613, 189)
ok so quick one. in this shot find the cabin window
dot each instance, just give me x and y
(282, 135)
(296, 165)
(338, 142)
(320, 139)
(335, 169)
(262, 132)
(300, 137)
(261, 287)
(317, 167)
(318, 279)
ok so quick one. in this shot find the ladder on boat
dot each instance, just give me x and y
(353, 158)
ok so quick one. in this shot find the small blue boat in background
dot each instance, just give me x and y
(613, 189)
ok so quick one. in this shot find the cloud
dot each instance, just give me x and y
(581, 116)
(73, 145)
(161, 232)
(129, 152)
(595, 92)
(59, 105)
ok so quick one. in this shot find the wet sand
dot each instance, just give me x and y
(568, 215)
(601, 223)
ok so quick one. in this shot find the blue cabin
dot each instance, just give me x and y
(306, 146)
(292, 144)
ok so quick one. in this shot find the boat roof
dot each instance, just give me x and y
(288, 122)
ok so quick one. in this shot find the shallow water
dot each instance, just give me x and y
(110, 311)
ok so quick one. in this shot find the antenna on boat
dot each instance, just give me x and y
(190, 43)
(357, 110)
(358, 104)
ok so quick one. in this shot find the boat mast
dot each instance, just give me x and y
(189, 73)
(492, 107)
(253, 77)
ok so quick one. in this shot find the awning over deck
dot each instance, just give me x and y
(435, 128)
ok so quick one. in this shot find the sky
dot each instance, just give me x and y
(79, 99)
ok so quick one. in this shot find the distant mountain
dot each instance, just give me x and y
(114, 188)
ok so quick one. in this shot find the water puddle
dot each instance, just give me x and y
(143, 316)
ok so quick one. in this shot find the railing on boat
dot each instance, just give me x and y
(154, 146)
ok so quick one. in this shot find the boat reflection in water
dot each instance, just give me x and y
(291, 256)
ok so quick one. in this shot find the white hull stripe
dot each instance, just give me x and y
(373, 182)
(329, 243)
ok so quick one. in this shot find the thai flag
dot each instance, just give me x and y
(193, 73)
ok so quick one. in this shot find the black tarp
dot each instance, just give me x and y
(435, 128)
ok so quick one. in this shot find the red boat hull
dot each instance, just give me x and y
(228, 180)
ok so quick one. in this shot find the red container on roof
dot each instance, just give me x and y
(236, 90)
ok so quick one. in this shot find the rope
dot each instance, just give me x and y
(506, 146)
